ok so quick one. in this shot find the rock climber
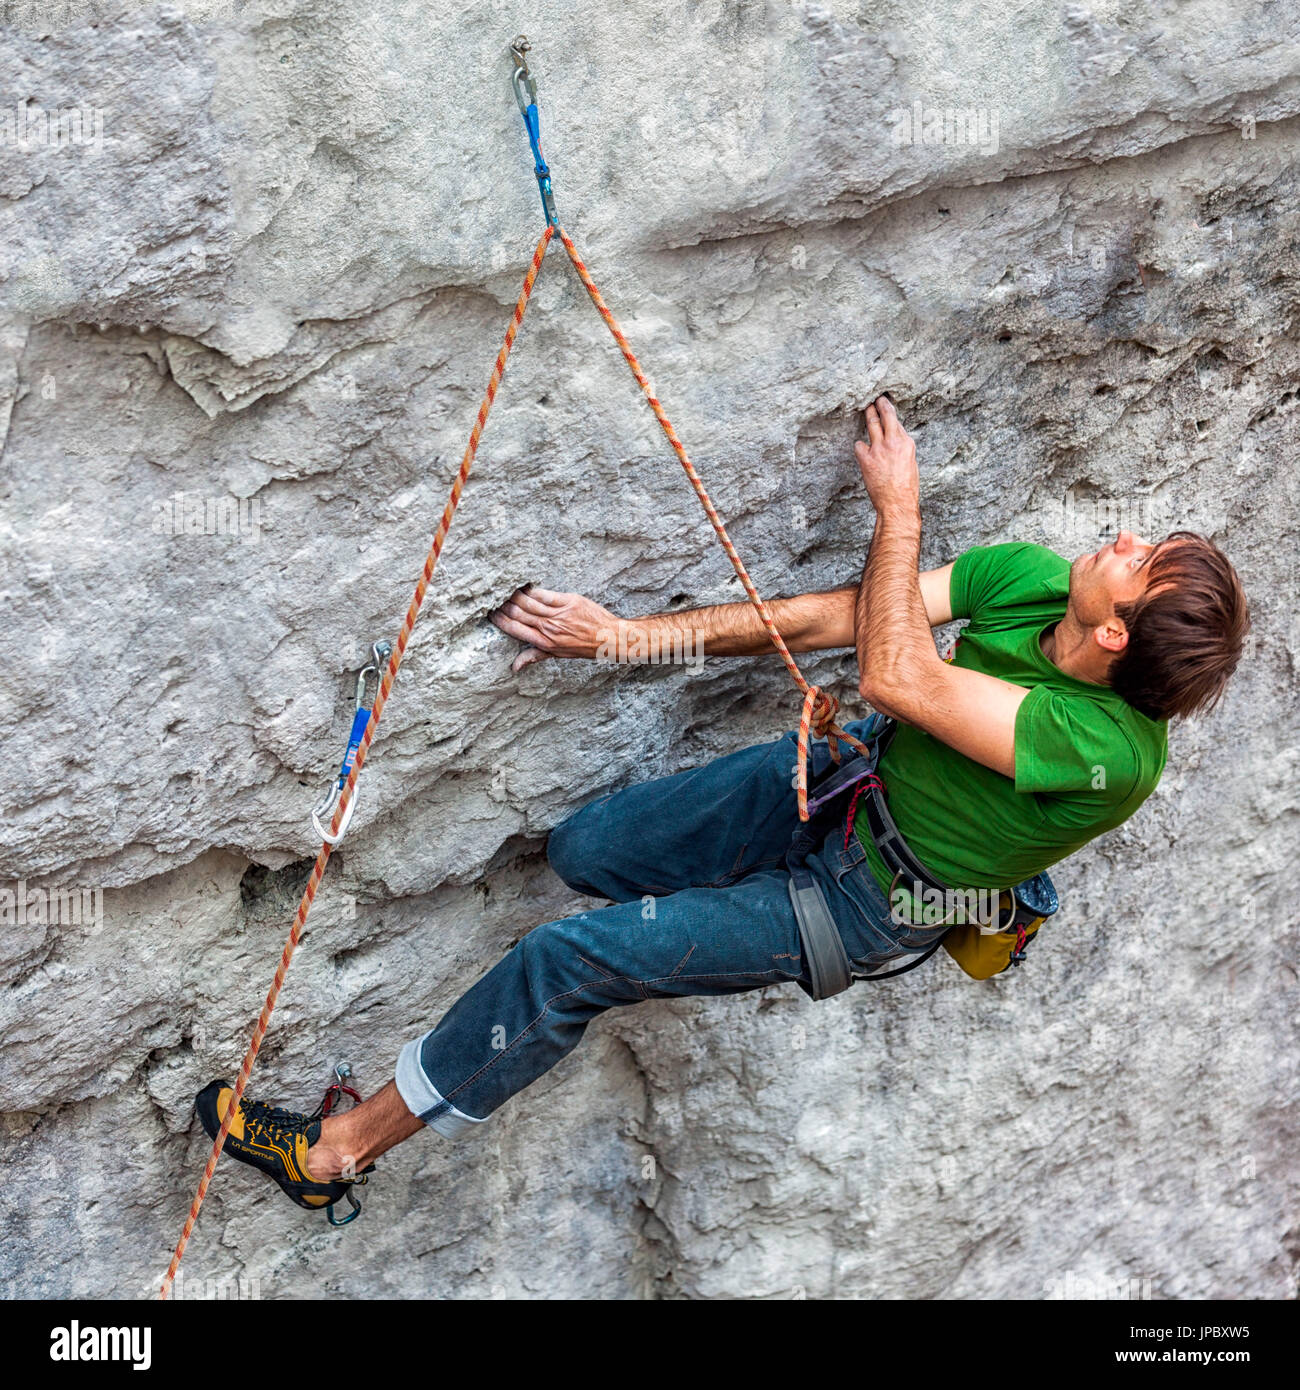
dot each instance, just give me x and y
(1043, 729)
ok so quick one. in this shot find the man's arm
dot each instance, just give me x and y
(901, 673)
(554, 624)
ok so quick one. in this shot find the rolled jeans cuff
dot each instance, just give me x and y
(422, 1097)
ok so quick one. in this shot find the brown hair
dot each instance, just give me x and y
(1186, 630)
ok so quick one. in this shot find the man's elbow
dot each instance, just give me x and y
(869, 689)
(883, 691)
(895, 687)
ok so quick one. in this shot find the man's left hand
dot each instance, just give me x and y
(888, 460)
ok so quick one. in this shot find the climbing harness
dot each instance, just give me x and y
(829, 967)
(816, 718)
(1030, 901)
(379, 654)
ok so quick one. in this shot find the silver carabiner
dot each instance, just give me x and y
(523, 81)
(380, 653)
(323, 811)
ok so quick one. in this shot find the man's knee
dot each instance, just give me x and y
(568, 853)
(570, 959)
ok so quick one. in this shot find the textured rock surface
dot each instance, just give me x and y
(281, 276)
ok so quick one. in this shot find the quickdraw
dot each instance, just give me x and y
(380, 652)
(338, 1088)
(816, 718)
(525, 85)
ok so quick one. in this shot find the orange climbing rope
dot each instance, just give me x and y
(381, 698)
(817, 715)
(819, 707)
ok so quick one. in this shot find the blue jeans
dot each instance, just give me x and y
(694, 868)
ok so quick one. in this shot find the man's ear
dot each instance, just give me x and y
(1111, 636)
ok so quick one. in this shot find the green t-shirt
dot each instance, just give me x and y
(1085, 759)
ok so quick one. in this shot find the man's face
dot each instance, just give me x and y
(1109, 576)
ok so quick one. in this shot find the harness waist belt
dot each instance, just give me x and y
(829, 969)
(903, 864)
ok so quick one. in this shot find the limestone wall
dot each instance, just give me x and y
(266, 271)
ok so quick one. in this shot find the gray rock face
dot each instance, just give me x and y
(251, 297)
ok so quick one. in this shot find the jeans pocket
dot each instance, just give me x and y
(861, 913)
(742, 867)
(736, 872)
(919, 938)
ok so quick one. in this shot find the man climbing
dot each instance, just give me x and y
(1045, 728)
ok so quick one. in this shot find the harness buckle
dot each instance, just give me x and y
(323, 811)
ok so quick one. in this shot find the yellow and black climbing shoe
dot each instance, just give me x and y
(275, 1142)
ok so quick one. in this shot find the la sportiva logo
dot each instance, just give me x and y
(77, 1343)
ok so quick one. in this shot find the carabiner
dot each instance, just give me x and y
(380, 652)
(351, 1216)
(338, 1088)
(522, 79)
(525, 85)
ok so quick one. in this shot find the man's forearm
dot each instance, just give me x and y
(808, 622)
(892, 630)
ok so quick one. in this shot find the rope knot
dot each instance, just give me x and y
(825, 708)
(817, 718)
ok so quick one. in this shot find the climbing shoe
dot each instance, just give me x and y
(275, 1142)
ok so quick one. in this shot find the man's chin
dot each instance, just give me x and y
(1077, 568)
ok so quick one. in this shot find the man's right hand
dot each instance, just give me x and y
(551, 624)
